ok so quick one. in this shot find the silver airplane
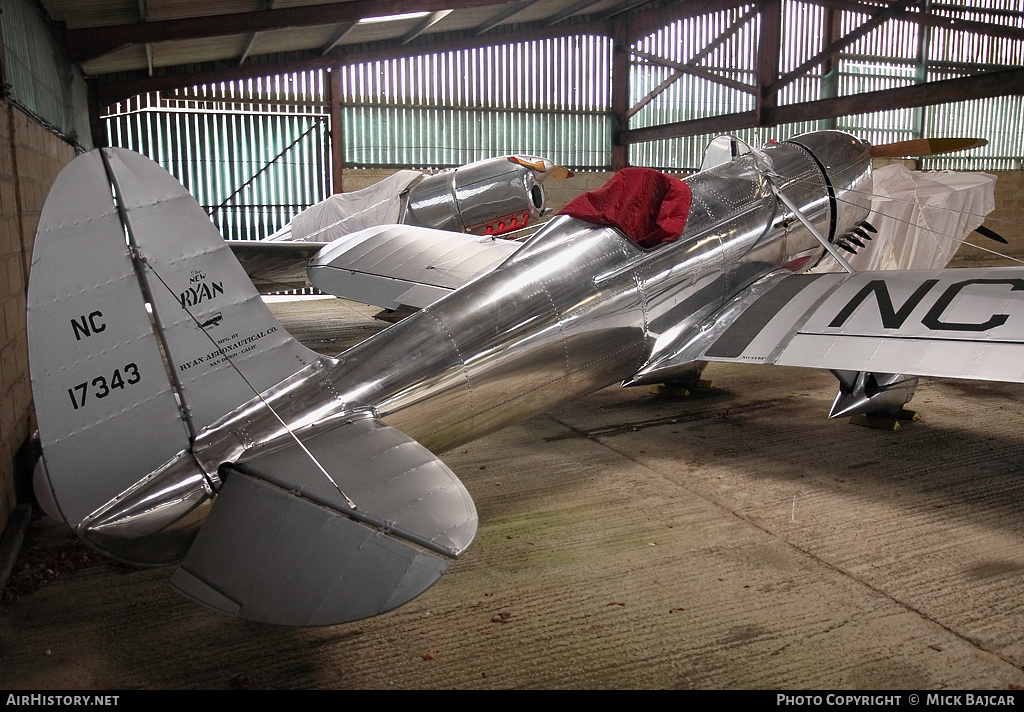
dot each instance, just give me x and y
(181, 423)
(494, 197)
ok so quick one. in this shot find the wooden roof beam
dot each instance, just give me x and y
(621, 8)
(425, 24)
(991, 29)
(569, 12)
(895, 10)
(491, 22)
(696, 71)
(980, 86)
(248, 48)
(723, 123)
(644, 23)
(343, 30)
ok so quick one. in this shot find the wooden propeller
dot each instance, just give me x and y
(925, 147)
(557, 172)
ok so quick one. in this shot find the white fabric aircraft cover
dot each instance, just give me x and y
(922, 218)
(345, 213)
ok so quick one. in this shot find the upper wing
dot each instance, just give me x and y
(957, 323)
(274, 266)
(395, 265)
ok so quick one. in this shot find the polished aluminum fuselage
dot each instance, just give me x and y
(578, 308)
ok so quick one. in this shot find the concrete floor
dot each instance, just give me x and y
(735, 539)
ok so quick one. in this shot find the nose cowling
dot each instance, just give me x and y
(846, 162)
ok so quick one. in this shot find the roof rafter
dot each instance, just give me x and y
(491, 22)
(645, 22)
(425, 24)
(248, 47)
(569, 12)
(343, 29)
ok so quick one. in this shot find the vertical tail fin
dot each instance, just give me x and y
(135, 307)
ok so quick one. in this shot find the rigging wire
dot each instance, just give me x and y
(149, 265)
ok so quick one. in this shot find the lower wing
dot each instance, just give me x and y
(956, 323)
(394, 266)
(276, 266)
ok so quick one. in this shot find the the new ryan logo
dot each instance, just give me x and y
(199, 290)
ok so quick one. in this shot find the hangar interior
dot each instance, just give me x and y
(264, 107)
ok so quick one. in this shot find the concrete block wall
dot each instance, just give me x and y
(1008, 217)
(30, 159)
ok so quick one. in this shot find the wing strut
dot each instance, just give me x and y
(813, 230)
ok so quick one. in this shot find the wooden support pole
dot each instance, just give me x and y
(830, 67)
(769, 49)
(980, 86)
(97, 127)
(620, 91)
(337, 135)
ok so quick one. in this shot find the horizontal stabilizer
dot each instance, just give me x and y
(284, 545)
(267, 555)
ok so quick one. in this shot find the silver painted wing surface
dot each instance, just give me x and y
(401, 265)
(955, 323)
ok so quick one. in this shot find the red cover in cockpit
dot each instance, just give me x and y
(649, 207)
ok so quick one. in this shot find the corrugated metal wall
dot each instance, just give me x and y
(253, 153)
(953, 54)
(38, 77)
(548, 97)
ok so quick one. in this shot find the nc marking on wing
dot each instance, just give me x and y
(933, 319)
